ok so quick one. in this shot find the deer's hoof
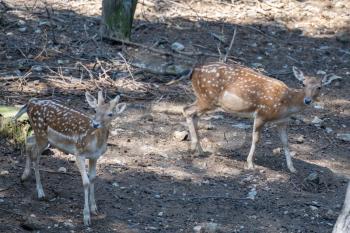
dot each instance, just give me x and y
(24, 178)
(292, 170)
(93, 210)
(41, 195)
(249, 166)
(87, 220)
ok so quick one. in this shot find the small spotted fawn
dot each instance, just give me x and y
(240, 90)
(72, 132)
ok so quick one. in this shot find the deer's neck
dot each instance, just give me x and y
(100, 134)
(96, 137)
(295, 100)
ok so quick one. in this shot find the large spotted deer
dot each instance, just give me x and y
(72, 132)
(241, 90)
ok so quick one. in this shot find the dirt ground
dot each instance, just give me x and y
(148, 181)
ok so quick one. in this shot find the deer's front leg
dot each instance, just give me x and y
(86, 183)
(282, 130)
(92, 176)
(190, 113)
(258, 124)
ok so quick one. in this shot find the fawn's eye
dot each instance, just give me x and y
(110, 114)
(318, 88)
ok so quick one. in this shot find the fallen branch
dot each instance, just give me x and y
(205, 197)
(7, 188)
(146, 47)
(166, 52)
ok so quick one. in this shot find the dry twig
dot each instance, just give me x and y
(231, 44)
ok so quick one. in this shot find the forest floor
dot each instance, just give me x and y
(147, 180)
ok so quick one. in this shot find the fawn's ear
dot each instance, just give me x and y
(298, 74)
(329, 78)
(120, 108)
(114, 101)
(100, 99)
(91, 100)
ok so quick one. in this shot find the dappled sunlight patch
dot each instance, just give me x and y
(217, 167)
(167, 107)
(339, 168)
(176, 172)
(302, 148)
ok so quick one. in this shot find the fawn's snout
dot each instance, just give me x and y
(307, 100)
(95, 125)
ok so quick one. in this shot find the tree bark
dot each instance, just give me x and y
(343, 222)
(117, 18)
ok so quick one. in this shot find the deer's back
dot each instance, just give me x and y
(67, 129)
(237, 89)
(44, 114)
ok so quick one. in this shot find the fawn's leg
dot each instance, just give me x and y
(39, 147)
(258, 124)
(191, 114)
(30, 144)
(86, 183)
(92, 176)
(342, 225)
(282, 130)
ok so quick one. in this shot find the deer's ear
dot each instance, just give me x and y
(114, 101)
(120, 108)
(100, 99)
(298, 74)
(91, 100)
(329, 78)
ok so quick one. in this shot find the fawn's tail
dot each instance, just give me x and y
(20, 113)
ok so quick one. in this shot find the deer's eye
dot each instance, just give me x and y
(318, 88)
(110, 114)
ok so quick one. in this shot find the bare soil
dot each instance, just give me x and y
(148, 181)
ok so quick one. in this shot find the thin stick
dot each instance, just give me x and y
(43, 49)
(261, 32)
(10, 212)
(145, 47)
(127, 65)
(7, 188)
(51, 25)
(231, 44)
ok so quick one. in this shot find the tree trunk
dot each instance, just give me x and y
(343, 222)
(117, 18)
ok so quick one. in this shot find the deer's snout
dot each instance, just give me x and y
(95, 124)
(307, 100)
